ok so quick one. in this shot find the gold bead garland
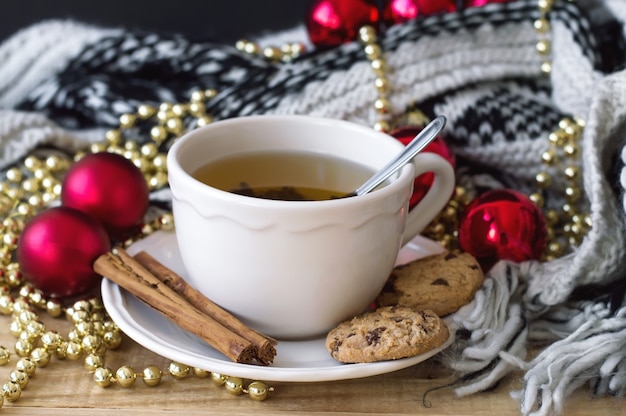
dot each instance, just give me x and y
(285, 53)
(564, 143)
(31, 186)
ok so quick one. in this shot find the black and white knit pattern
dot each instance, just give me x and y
(64, 82)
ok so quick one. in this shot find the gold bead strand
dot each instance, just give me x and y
(542, 27)
(566, 227)
(378, 63)
(284, 53)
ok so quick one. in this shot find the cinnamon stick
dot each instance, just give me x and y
(122, 269)
(264, 344)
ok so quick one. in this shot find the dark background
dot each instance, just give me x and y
(223, 20)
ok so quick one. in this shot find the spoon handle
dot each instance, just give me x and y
(423, 138)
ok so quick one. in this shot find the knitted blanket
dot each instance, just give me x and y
(64, 83)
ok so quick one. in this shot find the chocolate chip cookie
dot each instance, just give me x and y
(442, 283)
(388, 333)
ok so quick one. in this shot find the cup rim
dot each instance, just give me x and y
(177, 174)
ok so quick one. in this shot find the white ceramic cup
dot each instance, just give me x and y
(295, 269)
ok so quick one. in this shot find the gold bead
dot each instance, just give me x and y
(40, 357)
(198, 95)
(15, 328)
(103, 376)
(146, 111)
(35, 329)
(555, 248)
(112, 339)
(20, 377)
(158, 133)
(178, 370)
(372, 51)
(367, 34)
(210, 93)
(179, 110)
(258, 390)
(543, 180)
(201, 373)
(545, 6)
(197, 109)
(382, 105)
(74, 350)
(61, 351)
(552, 217)
(251, 48)
(14, 175)
(568, 210)
(91, 343)
(5, 356)
(382, 84)
(113, 137)
(272, 53)
(97, 147)
(175, 125)
(542, 25)
(572, 194)
(31, 184)
(84, 328)
(32, 162)
(11, 391)
(80, 316)
(93, 362)
(572, 172)
(125, 376)
(204, 121)
(54, 308)
(127, 120)
(571, 150)
(166, 222)
(83, 306)
(160, 162)
(549, 157)
(27, 365)
(23, 348)
(234, 385)
(218, 379)
(156, 181)
(382, 125)
(240, 45)
(379, 66)
(152, 376)
(6, 304)
(543, 47)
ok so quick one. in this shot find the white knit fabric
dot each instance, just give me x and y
(518, 303)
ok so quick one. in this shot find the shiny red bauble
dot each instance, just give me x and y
(438, 146)
(330, 23)
(108, 187)
(57, 249)
(502, 225)
(479, 3)
(399, 11)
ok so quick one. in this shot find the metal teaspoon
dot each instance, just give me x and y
(421, 140)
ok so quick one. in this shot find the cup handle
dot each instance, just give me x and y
(435, 199)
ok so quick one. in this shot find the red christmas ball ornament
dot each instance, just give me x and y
(438, 146)
(502, 224)
(333, 22)
(108, 187)
(399, 11)
(57, 249)
(480, 3)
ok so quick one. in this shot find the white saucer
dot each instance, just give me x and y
(296, 361)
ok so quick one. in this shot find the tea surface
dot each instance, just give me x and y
(284, 175)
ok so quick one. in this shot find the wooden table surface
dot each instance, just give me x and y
(66, 387)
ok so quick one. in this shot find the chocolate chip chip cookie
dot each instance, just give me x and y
(388, 333)
(442, 283)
